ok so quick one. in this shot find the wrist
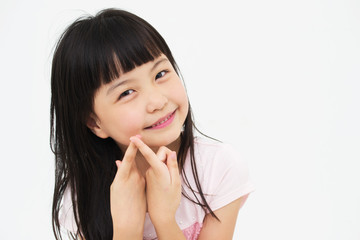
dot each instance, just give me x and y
(127, 232)
(168, 229)
(164, 223)
(162, 219)
(130, 228)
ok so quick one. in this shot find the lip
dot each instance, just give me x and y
(163, 122)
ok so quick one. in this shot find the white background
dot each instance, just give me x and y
(278, 79)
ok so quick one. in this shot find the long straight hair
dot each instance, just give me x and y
(94, 51)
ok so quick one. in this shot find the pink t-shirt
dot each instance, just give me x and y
(223, 176)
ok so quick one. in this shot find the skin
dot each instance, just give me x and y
(148, 176)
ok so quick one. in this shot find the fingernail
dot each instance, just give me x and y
(173, 155)
(133, 137)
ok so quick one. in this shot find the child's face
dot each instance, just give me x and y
(150, 100)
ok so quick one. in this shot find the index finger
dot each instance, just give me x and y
(129, 157)
(146, 151)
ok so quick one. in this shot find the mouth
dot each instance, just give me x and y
(163, 122)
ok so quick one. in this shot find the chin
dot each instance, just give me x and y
(160, 140)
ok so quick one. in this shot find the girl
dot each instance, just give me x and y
(127, 163)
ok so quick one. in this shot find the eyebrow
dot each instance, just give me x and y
(158, 62)
(116, 85)
(125, 81)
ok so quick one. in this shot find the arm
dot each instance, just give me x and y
(213, 229)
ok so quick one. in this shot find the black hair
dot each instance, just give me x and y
(92, 51)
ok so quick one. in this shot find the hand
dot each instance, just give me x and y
(163, 185)
(127, 198)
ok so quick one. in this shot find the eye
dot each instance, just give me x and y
(160, 74)
(126, 93)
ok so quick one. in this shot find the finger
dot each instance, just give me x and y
(128, 158)
(148, 154)
(118, 163)
(163, 153)
(173, 167)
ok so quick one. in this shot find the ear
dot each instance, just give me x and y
(95, 126)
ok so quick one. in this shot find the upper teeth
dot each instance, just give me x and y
(162, 121)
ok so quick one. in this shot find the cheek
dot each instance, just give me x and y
(124, 125)
(133, 125)
(183, 103)
(178, 94)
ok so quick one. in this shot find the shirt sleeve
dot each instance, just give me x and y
(226, 176)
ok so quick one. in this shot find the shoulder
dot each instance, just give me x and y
(209, 152)
(223, 172)
(207, 146)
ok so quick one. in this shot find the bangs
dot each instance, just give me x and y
(123, 43)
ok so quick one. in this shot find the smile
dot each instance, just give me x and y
(163, 122)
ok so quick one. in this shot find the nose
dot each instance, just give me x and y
(156, 101)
